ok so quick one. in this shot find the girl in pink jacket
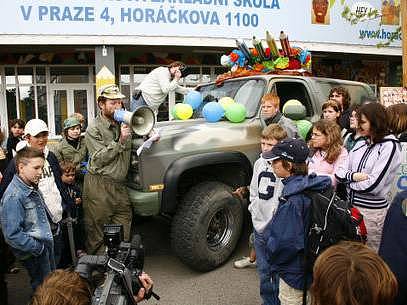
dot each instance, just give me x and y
(328, 152)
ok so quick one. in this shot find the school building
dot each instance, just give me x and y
(51, 54)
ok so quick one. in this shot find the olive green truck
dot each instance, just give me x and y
(190, 173)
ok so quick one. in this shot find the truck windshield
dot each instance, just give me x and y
(247, 92)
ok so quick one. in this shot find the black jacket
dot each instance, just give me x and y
(344, 119)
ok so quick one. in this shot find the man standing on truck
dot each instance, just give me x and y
(105, 197)
(270, 114)
(156, 86)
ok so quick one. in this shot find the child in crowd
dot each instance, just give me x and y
(342, 97)
(331, 111)
(24, 219)
(16, 132)
(327, 151)
(286, 231)
(371, 168)
(270, 135)
(270, 114)
(81, 120)
(354, 135)
(53, 191)
(72, 147)
(75, 214)
(350, 273)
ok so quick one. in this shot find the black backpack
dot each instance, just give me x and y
(330, 220)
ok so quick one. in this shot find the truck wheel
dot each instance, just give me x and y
(207, 226)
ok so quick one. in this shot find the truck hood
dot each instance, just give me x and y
(199, 134)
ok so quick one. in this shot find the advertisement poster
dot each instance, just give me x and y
(303, 20)
(393, 95)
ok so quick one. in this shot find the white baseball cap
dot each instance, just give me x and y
(34, 127)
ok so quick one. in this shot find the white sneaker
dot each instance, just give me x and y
(244, 262)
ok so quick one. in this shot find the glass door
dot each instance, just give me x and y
(66, 100)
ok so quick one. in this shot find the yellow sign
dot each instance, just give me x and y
(104, 77)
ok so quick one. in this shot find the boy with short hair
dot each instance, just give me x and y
(265, 189)
(24, 218)
(270, 114)
(74, 214)
(55, 196)
(285, 244)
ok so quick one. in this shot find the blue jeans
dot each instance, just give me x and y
(269, 281)
(135, 103)
(39, 267)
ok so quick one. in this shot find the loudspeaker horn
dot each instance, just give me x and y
(141, 121)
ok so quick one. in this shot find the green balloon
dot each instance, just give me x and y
(303, 127)
(174, 113)
(235, 113)
(294, 110)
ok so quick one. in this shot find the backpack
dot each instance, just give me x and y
(330, 221)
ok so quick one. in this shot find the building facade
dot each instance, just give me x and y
(50, 54)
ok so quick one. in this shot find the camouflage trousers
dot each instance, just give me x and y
(104, 202)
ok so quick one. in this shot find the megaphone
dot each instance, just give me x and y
(141, 121)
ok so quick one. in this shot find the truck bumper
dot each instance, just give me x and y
(144, 203)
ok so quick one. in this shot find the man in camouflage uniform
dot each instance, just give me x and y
(105, 197)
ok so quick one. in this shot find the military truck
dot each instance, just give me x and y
(190, 173)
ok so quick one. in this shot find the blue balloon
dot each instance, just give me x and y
(213, 112)
(193, 98)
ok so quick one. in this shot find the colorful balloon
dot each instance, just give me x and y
(183, 111)
(226, 101)
(303, 127)
(193, 98)
(213, 112)
(294, 110)
(236, 113)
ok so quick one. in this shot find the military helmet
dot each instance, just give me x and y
(71, 122)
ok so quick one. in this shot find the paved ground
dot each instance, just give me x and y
(174, 282)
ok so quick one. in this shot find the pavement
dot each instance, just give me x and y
(176, 283)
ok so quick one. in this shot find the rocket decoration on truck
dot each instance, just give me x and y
(259, 60)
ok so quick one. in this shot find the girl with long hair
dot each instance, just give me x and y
(371, 168)
(328, 152)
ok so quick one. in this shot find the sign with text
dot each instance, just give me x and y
(303, 20)
(393, 95)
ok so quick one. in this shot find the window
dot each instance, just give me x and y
(293, 90)
(61, 112)
(42, 103)
(66, 75)
(358, 93)
(26, 102)
(11, 98)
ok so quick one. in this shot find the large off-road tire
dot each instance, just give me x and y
(207, 225)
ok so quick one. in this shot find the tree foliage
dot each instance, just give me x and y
(355, 18)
